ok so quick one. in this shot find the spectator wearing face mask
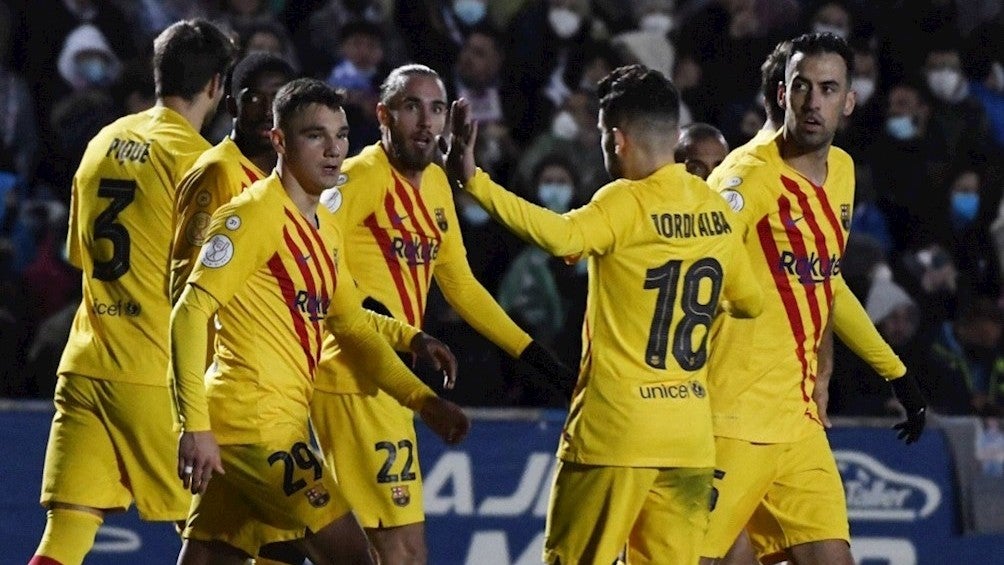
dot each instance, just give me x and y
(957, 119)
(863, 125)
(832, 17)
(86, 60)
(359, 72)
(966, 233)
(543, 293)
(573, 134)
(434, 30)
(907, 166)
(544, 43)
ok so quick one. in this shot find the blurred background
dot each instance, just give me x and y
(925, 257)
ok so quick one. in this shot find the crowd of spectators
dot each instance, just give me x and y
(927, 137)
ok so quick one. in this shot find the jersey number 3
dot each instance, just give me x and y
(666, 280)
(122, 193)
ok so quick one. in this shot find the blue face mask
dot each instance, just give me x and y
(469, 11)
(965, 205)
(475, 215)
(555, 196)
(901, 127)
(93, 70)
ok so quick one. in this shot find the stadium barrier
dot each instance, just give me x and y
(486, 499)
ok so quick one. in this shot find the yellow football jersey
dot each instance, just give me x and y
(399, 237)
(664, 256)
(120, 236)
(276, 278)
(763, 370)
(218, 175)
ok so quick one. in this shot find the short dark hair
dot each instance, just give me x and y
(188, 54)
(825, 42)
(361, 27)
(696, 133)
(299, 93)
(635, 96)
(252, 67)
(395, 81)
(771, 74)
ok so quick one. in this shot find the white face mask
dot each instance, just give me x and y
(827, 28)
(564, 126)
(656, 22)
(864, 87)
(564, 22)
(945, 84)
(555, 196)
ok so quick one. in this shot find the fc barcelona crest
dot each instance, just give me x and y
(441, 219)
(845, 216)
(400, 495)
(317, 496)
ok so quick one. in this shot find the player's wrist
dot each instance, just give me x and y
(909, 395)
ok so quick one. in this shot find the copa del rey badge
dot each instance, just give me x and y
(400, 495)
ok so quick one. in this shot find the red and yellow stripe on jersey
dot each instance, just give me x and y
(274, 274)
(399, 237)
(663, 256)
(274, 277)
(218, 175)
(121, 223)
(763, 370)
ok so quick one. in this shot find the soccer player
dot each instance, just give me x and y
(701, 148)
(396, 208)
(637, 452)
(111, 439)
(273, 273)
(242, 158)
(775, 473)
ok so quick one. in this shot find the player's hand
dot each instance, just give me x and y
(824, 370)
(198, 457)
(556, 374)
(908, 394)
(446, 419)
(438, 355)
(459, 162)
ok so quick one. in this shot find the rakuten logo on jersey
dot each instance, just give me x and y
(315, 307)
(876, 492)
(809, 270)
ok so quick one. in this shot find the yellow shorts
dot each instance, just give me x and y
(112, 443)
(370, 442)
(274, 491)
(660, 514)
(785, 494)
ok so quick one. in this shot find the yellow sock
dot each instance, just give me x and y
(69, 535)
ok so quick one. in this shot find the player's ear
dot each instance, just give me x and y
(215, 87)
(620, 141)
(782, 94)
(383, 114)
(278, 140)
(850, 102)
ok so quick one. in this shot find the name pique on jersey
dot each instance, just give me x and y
(702, 224)
(128, 150)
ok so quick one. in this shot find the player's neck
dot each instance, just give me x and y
(304, 201)
(811, 163)
(414, 177)
(193, 112)
(264, 159)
